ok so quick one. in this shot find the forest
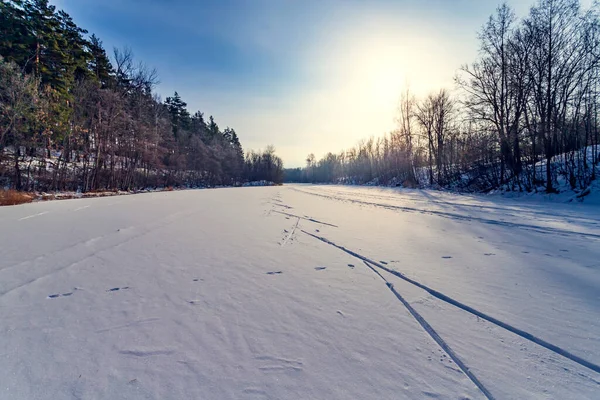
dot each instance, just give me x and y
(74, 118)
(523, 116)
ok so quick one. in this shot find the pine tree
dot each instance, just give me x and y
(227, 134)
(76, 52)
(99, 64)
(237, 146)
(57, 54)
(50, 59)
(15, 35)
(58, 89)
(198, 126)
(213, 128)
(180, 117)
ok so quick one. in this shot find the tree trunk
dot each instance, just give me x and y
(17, 169)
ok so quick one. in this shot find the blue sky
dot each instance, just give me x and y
(303, 75)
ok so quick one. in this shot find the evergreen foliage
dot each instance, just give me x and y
(70, 119)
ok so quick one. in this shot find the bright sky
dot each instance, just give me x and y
(308, 76)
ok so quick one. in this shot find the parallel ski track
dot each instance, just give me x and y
(525, 335)
(434, 335)
(455, 216)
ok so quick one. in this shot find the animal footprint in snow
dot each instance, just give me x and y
(320, 268)
(274, 272)
(57, 295)
(54, 296)
(116, 289)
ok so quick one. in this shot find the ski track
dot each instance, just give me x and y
(305, 218)
(435, 336)
(34, 215)
(478, 207)
(454, 216)
(33, 272)
(37, 277)
(87, 241)
(288, 237)
(525, 335)
(282, 205)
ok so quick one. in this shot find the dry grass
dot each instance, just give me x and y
(46, 197)
(13, 197)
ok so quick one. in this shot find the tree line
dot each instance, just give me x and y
(72, 118)
(524, 114)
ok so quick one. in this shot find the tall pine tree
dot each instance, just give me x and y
(180, 117)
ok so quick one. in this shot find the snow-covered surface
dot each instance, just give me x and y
(262, 293)
(590, 195)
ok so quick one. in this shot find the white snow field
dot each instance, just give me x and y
(299, 292)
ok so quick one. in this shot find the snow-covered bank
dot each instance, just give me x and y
(572, 179)
(564, 194)
(589, 195)
(224, 294)
(70, 195)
